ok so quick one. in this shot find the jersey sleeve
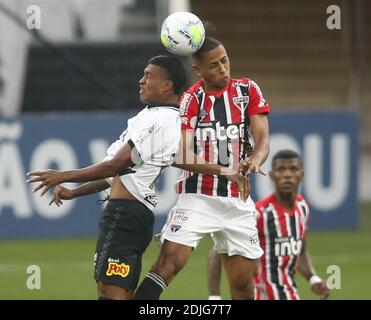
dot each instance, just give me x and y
(307, 216)
(158, 140)
(112, 149)
(257, 103)
(188, 110)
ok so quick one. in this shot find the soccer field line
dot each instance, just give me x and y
(11, 267)
(342, 258)
(22, 266)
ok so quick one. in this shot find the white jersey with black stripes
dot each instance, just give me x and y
(155, 132)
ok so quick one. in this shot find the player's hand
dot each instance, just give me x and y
(47, 178)
(321, 290)
(242, 183)
(248, 166)
(61, 193)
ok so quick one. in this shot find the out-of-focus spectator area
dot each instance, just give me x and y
(92, 53)
(284, 45)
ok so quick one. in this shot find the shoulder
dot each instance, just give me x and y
(245, 81)
(164, 114)
(185, 101)
(190, 99)
(300, 198)
(302, 203)
(195, 88)
(191, 91)
(242, 81)
(264, 203)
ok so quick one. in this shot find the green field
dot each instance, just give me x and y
(66, 266)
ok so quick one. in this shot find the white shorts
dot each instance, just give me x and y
(230, 222)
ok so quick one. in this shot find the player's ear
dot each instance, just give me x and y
(302, 174)
(169, 85)
(196, 69)
(270, 173)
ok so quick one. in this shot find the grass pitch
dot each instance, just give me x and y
(67, 266)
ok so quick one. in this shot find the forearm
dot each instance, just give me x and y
(261, 151)
(90, 187)
(260, 134)
(97, 171)
(305, 265)
(207, 169)
(196, 164)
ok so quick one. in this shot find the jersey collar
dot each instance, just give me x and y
(217, 94)
(166, 105)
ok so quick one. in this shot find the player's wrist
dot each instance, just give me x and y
(215, 297)
(225, 171)
(314, 279)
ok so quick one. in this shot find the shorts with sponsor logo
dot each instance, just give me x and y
(125, 231)
(230, 222)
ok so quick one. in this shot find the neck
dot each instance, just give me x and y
(173, 99)
(286, 200)
(212, 89)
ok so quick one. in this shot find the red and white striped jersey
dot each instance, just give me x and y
(281, 235)
(220, 125)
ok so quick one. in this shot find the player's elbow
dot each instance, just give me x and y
(115, 166)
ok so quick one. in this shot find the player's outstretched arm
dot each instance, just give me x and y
(63, 193)
(102, 170)
(305, 267)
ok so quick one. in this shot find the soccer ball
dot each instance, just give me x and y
(182, 33)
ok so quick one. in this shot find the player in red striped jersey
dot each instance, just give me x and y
(282, 221)
(219, 117)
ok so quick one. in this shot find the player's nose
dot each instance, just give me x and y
(142, 80)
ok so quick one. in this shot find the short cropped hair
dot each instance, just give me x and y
(174, 69)
(286, 154)
(208, 45)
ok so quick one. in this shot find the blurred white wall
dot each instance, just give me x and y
(179, 5)
(364, 190)
(13, 55)
(89, 20)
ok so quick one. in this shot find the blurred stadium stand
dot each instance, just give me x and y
(53, 85)
(96, 56)
(286, 46)
(283, 45)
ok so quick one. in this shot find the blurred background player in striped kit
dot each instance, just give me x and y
(282, 222)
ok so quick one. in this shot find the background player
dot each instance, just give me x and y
(282, 221)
